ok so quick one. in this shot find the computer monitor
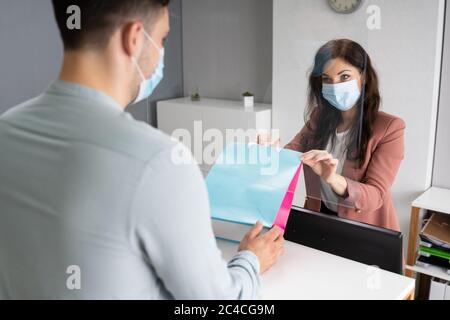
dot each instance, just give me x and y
(353, 240)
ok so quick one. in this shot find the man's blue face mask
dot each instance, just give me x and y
(149, 85)
(343, 96)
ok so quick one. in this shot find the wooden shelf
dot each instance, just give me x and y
(433, 271)
(434, 199)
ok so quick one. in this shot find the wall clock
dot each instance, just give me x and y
(345, 6)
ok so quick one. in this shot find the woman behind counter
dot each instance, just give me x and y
(352, 151)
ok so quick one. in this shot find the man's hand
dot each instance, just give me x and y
(267, 247)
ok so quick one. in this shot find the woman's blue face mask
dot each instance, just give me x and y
(343, 96)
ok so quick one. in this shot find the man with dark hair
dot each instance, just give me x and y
(102, 18)
(92, 203)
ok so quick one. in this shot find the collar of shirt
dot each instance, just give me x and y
(66, 88)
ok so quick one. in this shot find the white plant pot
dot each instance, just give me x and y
(249, 102)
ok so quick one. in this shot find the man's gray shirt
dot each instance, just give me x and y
(90, 197)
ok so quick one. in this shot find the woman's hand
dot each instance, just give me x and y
(265, 139)
(322, 163)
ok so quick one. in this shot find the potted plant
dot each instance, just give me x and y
(249, 99)
(195, 95)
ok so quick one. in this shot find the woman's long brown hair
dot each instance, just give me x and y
(326, 117)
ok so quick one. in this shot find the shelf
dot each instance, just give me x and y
(434, 199)
(217, 103)
(433, 271)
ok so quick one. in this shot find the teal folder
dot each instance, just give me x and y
(249, 182)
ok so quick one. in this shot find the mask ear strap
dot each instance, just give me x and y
(141, 74)
(151, 40)
(136, 64)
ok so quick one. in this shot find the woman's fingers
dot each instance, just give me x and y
(315, 156)
(328, 160)
(333, 162)
(307, 154)
(266, 139)
(323, 157)
(311, 154)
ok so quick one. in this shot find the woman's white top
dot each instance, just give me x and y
(329, 197)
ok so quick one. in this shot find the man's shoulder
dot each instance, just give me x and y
(86, 123)
(138, 139)
(18, 109)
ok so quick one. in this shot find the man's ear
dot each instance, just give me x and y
(132, 40)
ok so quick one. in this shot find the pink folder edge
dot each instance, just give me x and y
(285, 208)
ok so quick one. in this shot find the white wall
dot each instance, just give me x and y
(441, 176)
(407, 54)
(30, 50)
(31, 54)
(227, 48)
